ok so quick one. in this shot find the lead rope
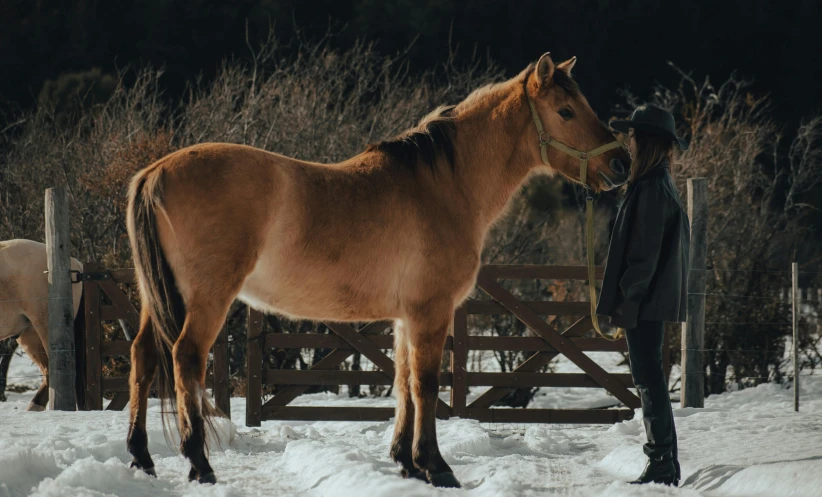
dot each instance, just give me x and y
(589, 242)
(544, 141)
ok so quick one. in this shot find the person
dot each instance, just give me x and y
(646, 273)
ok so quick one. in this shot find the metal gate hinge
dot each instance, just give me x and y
(92, 276)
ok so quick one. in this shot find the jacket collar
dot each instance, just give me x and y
(664, 167)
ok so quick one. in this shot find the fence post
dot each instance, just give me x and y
(795, 321)
(459, 362)
(693, 330)
(254, 369)
(61, 305)
(80, 383)
(93, 341)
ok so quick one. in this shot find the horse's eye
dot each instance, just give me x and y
(566, 113)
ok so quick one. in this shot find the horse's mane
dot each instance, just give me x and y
(567, 83)
(433, 136)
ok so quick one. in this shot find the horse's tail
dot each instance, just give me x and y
(158, 288)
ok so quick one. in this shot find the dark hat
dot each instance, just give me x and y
(652, 119)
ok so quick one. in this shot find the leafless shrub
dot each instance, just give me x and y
(326, 105)
(758, 184)
(758, 181)
(94, 159)
(319, 104)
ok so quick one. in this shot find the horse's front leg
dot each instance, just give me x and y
(404, 425)
(427, 333)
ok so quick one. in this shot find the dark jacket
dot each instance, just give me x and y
(646, 274)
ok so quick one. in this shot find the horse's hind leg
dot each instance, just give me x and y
(7, 349)
(427, 334)
(204, 319)
(143, 369)
(30, 341)
(404, 424)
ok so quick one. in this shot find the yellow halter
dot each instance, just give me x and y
(544, 141)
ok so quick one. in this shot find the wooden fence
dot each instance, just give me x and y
(371, 340)
(105, 301)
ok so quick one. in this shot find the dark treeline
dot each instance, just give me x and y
(619, 42)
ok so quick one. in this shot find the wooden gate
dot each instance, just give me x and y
(371, 340)
(105, 301)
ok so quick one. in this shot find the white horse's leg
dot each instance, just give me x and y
(30, 341)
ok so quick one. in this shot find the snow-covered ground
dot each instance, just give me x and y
(747, 443)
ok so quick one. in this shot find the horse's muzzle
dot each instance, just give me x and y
(619, 174)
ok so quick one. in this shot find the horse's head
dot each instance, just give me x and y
(571, 132)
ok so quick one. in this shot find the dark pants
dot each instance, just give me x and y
(645, 351)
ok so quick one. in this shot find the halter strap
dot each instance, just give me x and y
(544, 141)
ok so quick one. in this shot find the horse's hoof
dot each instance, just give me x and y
(149, 471)
(35, 407)
(414, 473)
(193, 474)
(445, 479)
(208, 478)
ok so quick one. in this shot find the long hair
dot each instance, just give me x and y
(651, 149)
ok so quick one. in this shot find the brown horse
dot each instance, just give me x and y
(395, 232)
(24, 312)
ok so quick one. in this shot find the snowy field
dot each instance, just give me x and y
(747, 443)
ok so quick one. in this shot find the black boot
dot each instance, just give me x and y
(659, 472)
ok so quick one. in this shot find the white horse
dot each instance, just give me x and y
(24, 304)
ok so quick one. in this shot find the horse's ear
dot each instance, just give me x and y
(567, 66)
(545, 69)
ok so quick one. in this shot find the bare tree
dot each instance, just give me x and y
(316, 104)
(758, 181)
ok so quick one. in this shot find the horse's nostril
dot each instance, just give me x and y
(618, 167)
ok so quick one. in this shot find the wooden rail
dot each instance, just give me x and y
(370, 341)
(106, 301)
(98, 282)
